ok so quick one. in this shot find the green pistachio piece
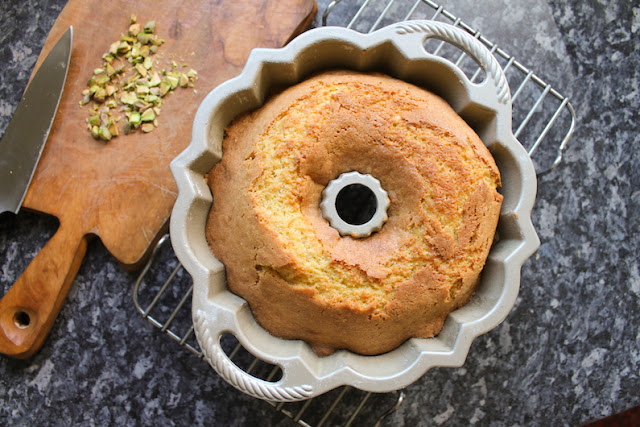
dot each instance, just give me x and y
(95, 132)
(143, 38)
(113, 48)
(128, 98)
(148, 115)
(183, 80)
(141, 70)
(134, 29)
(147, 63)
(102, 81)
(173, 81)
(135, 119)
(100, 95)
(98, 71)
(153, 49)
(150, 27)
(94, 120)
(155, 80)
(147, 127)
(123, 47)
(165, 87)
(142, 90)
(104, 133)
(113, 129)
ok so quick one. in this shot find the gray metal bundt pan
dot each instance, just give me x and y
(399, 51)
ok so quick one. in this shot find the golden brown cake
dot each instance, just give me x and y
(301, 279)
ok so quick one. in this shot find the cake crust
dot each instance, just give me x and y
(301, 279)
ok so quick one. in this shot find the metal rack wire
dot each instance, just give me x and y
(543, 121)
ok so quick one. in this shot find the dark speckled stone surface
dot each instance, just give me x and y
(568, 353)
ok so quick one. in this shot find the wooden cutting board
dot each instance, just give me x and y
(122, 191)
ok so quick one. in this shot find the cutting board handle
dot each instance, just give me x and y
(28, 310)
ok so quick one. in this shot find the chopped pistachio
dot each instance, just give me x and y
(165, 87)
(113, 129)
(111, 103)
(133, 18)
(114, 47)
(147, 127)
(134, 119)
(192, 73)
(153, 49)
(155, 91)
(95, 132)
(141, 70)
(172, 80)
(128, 98)
(98, 71)
(110, 70)
(100, 95)
(151, 99)
(144, 51)
(134, 29)
(108, 58)
(183, 80)
(126, 128)
(123, 47)
(147, 63)
(141, 105)
(94, 120)
(103, 80)
(85, 92)
(155, 80)
(128, 39)
(142, 90)
(104, 133)
(150, 27)
(148, 115)
(143, 38)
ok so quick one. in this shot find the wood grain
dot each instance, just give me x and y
(122, 191)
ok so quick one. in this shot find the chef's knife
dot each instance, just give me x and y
(26, 135)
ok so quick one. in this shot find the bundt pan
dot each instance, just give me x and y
(397, 50)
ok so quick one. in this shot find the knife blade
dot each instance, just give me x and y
(25, 136)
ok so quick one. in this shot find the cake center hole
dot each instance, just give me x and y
(356, 204)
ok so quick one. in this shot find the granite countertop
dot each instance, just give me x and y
(568, 354)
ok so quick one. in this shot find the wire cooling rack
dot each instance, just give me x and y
(543, 121)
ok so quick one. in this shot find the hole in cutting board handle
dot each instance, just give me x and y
(21, 319)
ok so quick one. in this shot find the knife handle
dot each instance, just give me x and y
(29, 308)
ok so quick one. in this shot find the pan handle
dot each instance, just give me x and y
(30, 307)
(422, 30)
(213, 353)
